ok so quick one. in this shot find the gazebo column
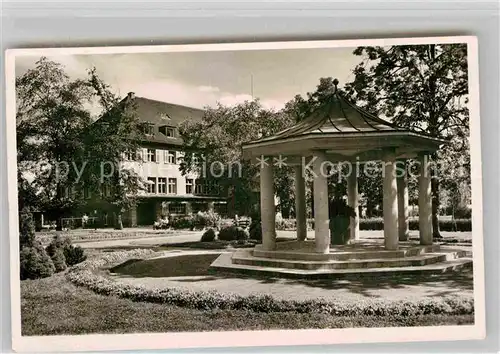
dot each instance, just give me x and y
(321, 229)
(402, 182)
(267, 207)
(353, 202)
(390, 204)
(300, 203)
(424, 202)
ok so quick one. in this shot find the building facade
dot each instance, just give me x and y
(158, 161)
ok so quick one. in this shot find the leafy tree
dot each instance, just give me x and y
(50, 117)
(420, 87)
(61, 150)
(213, 147)
(112, 184)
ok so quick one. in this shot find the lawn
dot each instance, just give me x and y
(53, 306)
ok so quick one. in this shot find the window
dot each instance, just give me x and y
(152, 185)
(199, 188)
(171, 157)
(151, 155)
(207, 187)
(149, 129)
(169, 132)
(162, 185)
(105, 190)
(172, 186)
(189, 186)
(129, 155)
(138, 155)
(87, 194)
(177, 208)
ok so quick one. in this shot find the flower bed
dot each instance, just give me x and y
(85, 274)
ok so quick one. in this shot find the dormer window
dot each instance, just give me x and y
(169, 132)
(149, 129)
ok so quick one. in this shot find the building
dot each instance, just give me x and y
(169, 192)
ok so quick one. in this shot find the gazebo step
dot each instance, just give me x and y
(224, 264)
(246, 258)
(344, 255)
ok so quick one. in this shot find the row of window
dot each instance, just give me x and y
(155, 185)
(164, 185)
(155, 155)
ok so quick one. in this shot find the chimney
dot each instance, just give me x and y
(131, 95)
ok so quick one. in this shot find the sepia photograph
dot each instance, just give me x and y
(325, 186)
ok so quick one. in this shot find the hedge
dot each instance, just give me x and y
(84, 275)
(378, 224)
(444, 225)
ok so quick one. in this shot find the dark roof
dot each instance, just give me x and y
(160, 113)
(337, 115)
(163, 113)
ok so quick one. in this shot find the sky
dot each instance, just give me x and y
(198, 79)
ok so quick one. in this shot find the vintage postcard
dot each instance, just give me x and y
(245, 194)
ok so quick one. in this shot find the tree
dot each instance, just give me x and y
(60, 149)
(50, 117)
(419, 87)
(113, 184)
(213, 148)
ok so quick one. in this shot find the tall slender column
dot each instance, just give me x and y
(390, 204)
(300, 203)
(424, 202)
(267, 207)
(353, 202)
(402, 182)
(321, 229)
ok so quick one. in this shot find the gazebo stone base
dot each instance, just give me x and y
(296, 260)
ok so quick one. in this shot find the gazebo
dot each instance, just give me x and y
(339, 131)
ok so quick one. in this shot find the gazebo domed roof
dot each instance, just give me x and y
(337, 115)
(339, 125)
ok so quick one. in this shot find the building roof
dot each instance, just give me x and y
(339, 125)
(160, 113)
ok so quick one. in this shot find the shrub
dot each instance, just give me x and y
(285, 224)
(74, 255)
(59, 260)
(463, 213)
(183, 222)
(35, 263)
(233, 233)
(206, 219)
(63, 253)
(58, 242)
(26, 229)
(242, 234)
(255, 230)
(208, 236)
